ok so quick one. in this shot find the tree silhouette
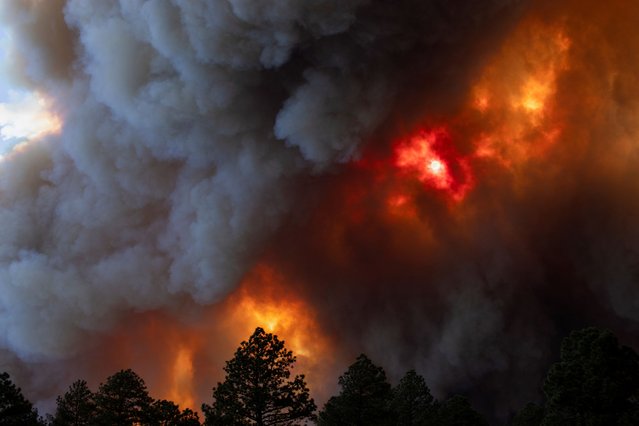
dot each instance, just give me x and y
(531, 415)
(76, 407)
(167, 413)
(411, 402)
(364, 398)
(123, 400)
(595, 382)
(15, 410)
(457, 411)
(257, 389)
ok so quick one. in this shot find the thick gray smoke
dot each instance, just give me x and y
(478, 297)
(173, 164)
(185, 124)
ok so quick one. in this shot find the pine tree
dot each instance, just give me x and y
(595, 382)
(257, 390)
(412, 402)
(364, 398)
(457, 411)
(167, 413)
(531, 415)
(123, 400)
(15, 410)
(76, 407)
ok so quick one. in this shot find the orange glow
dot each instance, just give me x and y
(263, 301)
(481, 100)
(181, 391)
(510, 119)
(521, 83)
(398, 201)
(402, 205)
(266, 299)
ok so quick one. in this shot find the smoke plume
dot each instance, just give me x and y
(223, 154)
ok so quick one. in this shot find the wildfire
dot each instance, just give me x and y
(181, 390)
(263, 301)
(514, 98)
(521, 84)
(266, 299)
(420, 157)
(431, 157)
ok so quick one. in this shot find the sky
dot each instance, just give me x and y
(23, 113)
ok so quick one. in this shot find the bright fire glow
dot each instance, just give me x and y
(430, 156)
(521, 84)
(514, 97)
(181, 391)
(265, 299)
(437, 168)
(420, 157)
(262, 301)
(534, 95)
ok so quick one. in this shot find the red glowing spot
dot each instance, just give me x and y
(432, 158)
(398, 201)
(437, 168)
(401, 205)
(419, 155)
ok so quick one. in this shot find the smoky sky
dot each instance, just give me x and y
(200, 138)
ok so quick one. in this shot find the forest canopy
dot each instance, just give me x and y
(594, 382)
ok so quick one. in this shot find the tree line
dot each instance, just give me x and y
(595, 382)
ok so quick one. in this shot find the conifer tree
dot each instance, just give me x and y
(123, 400)
(457, 411)
(168, 413)
(364, 398)
(258, 390)
(595, 382)
(76, 407)
(412, 402)
(15, 410)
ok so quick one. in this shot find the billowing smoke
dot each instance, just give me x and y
(200, 141)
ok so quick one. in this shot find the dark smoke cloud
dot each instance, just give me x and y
(184, 125)
(478, 296)
(201, 137)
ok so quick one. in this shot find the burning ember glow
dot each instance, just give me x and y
(514, 98)
(266, 299)
(432, 159)
(437, 168)
(263, 301)
(419, 156)
(515, 95)
(181, 388)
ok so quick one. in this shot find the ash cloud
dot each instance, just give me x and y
(198, 136)
(478, 295)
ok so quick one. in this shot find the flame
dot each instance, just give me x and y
(431, 157)
(514, 98)
(419, 156)
(264, 300)
(183, 360)
(521, 84)
(181, 391)
(397, 201)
